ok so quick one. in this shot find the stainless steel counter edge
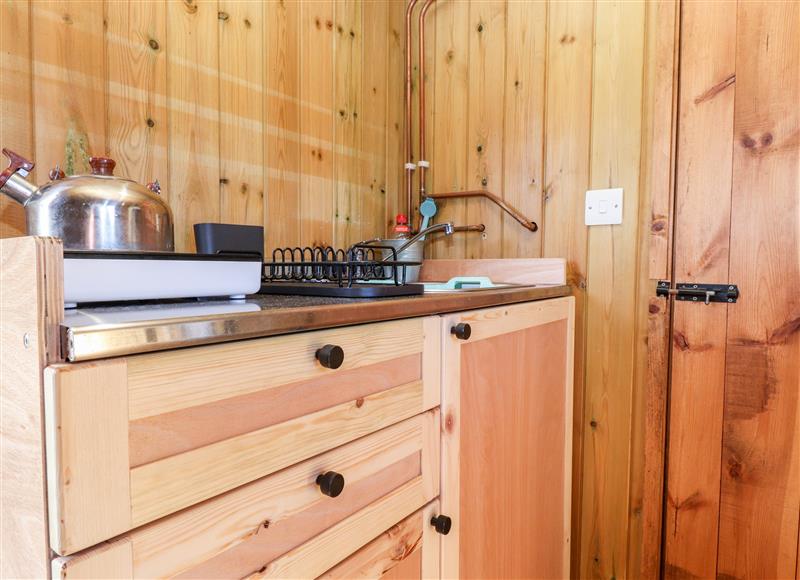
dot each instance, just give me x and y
(110, 340)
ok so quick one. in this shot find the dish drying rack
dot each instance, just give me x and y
(358, 272)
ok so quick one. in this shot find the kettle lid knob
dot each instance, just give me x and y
(102, 165)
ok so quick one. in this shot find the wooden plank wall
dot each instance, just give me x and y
(278, 113)
(538, 102)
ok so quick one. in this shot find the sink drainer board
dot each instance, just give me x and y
(325, 271)
(463, 284)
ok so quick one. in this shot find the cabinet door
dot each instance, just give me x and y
(507, 439)
(408, 551)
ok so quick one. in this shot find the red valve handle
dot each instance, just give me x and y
(16, 162)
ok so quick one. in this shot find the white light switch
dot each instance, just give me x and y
(604, 207)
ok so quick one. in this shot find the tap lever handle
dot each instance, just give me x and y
(16, 163)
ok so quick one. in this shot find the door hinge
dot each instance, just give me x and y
(707, 293)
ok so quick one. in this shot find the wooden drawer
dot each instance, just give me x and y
(131, 440)
(410, 549)
(282, 525)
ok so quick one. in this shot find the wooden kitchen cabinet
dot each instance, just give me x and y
(506, 440)
(272, 456)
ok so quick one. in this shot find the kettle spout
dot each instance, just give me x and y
(12, 180)
(18, 188)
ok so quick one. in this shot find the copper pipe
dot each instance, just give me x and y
(475, 228)
(526, 223)
(409, 116)
(522, 219)
(421, 39)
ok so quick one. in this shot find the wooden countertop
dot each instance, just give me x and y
(95, 333)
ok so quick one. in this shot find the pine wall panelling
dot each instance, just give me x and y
(16, 100)
(277, 113)
(291, 114)
(538, 102)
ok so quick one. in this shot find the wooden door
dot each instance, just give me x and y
(507, 440)
(732, 500)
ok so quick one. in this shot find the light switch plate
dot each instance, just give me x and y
(604, 207)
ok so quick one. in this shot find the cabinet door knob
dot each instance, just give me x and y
(330, 483)
(462, 330)
(442, 524)
(330, 356)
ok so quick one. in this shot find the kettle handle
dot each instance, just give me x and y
(16, 163)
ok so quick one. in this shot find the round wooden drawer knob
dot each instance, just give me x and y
(442, 524)
(330, 356)
(330, 483)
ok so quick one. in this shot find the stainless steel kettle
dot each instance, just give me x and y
(91, 212)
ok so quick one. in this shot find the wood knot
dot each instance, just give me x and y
(67, 18)
(680, 340)
(748, 142)
(360, 402)
(224, 16)
(265, 524)
(318, 23)
(243, 189)
(223, 181)
(735, 468)
(449, 423)
(150, 123)
(480, 27)
(593, 424)
(654, 309)
(153, 43)
(352, 34)
(658, 225)
(567, 39)
(329, 24)
(190, 6)
(766, 139)
(247, 23)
